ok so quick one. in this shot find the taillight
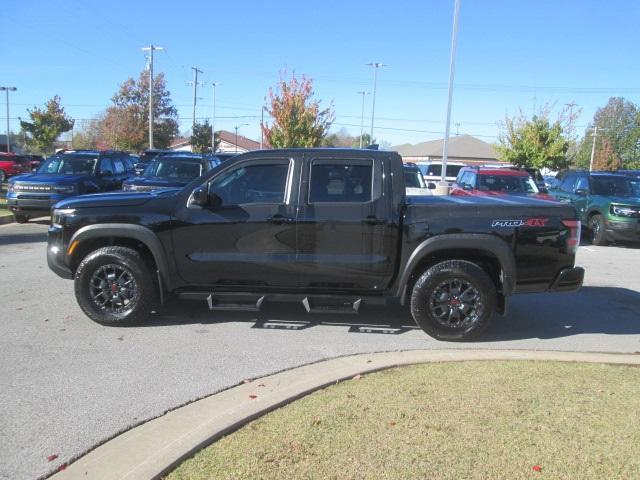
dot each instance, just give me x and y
(573, 241)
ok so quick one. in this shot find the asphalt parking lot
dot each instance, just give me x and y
(69, 384)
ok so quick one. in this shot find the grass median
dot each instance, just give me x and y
(472, 420)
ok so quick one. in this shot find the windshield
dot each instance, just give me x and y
(167, 167)
(615, 186)
(69, 165)
(435, 170)
(413, 179)
(507, 184)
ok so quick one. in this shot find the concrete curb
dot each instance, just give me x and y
(6, 219)
(154, 448)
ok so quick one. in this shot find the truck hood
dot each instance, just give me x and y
(51, 178)
(113, 199)
(623, 200)
(158, 182)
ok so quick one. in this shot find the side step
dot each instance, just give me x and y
(238, 302)
(331, 305)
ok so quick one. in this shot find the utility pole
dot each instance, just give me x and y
(443, 187)
(151, 49)
(261, 127)
(376, 66)
(8, 89)
(213, 118)
(363, 93)
(593, 147)
(237, 127)
(195, 92)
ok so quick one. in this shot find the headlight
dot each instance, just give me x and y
(59, 214)
(11, 187)
(625, 211)
(65, 188)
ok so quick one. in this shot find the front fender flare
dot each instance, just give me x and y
(127, 230)
(486, 243)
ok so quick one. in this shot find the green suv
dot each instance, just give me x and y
(608, 204)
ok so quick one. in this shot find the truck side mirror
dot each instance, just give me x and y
(581, 191)
(431, 185)
(200, 197)
(466, 186)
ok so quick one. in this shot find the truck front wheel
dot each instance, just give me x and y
(454, 300)
(114, 286)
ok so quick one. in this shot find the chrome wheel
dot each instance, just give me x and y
(113, 288)
(456, 303)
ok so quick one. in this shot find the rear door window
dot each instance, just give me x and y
(334, 181)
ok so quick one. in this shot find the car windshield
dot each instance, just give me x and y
(413, 179)
(435, 170)
(507, 184)
(615, 186)
(168, 167)
(69, 165)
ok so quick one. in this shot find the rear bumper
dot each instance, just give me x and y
(569, 279)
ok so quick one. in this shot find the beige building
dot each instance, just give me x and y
(462, 148)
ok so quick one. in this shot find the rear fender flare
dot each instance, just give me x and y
(486, 243)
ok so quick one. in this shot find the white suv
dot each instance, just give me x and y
(432, 171)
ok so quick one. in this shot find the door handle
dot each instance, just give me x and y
(373, 220)
(279, 219)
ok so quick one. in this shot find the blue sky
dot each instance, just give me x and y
(511, 54)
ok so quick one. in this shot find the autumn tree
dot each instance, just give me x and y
(89, 136)
(46, 125)
(618, 124)
(606, 157)
(201, 138)
(126, 122)
(298, 120)
(535, 142)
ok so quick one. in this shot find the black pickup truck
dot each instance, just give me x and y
(330, 228)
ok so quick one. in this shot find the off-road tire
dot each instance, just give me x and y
(429, 288)
(116, 259)
(598, 233)
(20, 218)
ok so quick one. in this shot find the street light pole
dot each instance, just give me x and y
(376, 66)
(213, 119)
(443, 187)
(363, 93)
(8, 89)
(237, 127)
(151, 49)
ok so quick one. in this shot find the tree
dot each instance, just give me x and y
(126, 122)
(606, 158)
(534, 142)
(201, 138)
(298, 120)
(89, 137)
(618, 125)
(46, 126)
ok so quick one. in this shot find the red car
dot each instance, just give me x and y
(491, 181)
(9, 165)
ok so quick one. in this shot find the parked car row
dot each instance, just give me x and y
(77, 172)
(12, 164)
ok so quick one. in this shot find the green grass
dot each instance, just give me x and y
(475, 420)
(3, 206)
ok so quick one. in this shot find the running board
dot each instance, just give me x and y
(329, 305)
(235, 302)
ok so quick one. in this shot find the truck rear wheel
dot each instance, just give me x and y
(114, 286)
(454, 300)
